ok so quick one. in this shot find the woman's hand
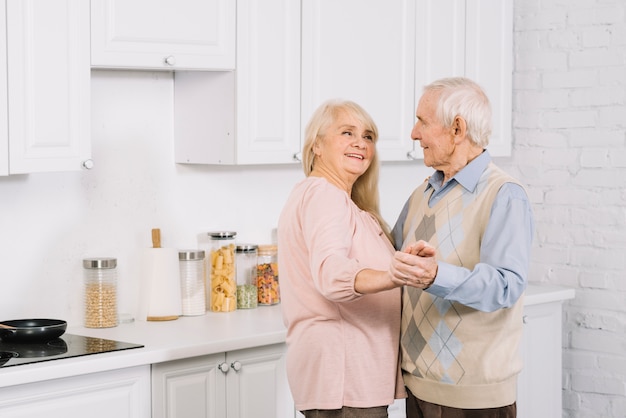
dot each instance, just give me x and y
(415, 266)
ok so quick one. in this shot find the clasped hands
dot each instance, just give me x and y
(415, 266)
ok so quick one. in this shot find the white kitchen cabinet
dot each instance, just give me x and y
(163, 34)
(293, 55)
(238, 384)
(363, 51)
(123, 393)
(251, 116)
(45, 93)
(473, 39)
(4, 111)
(539, 384)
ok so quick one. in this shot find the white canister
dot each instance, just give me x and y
(192, 282)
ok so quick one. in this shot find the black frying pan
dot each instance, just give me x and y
(32, 330)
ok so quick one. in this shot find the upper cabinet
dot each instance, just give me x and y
(363, 50)
(489, 62)
(45, 86)
(471, 38)
(252, 115)
(163, 35)
(4, 111)
(293, 55)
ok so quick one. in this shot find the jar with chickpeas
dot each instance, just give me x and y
(267, 275)
(100, 280)
(247, 295)
(222, 279)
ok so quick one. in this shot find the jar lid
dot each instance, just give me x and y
(268, 249)
(188, 255)
(100, 263)
(222, 234)
(245, 248)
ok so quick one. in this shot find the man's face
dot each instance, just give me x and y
(438, 142)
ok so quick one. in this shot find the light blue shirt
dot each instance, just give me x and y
(501, 275)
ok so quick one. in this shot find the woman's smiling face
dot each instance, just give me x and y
(345, 149)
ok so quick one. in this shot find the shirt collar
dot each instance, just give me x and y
(467, 177)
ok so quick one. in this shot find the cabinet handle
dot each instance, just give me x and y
(525, 319)
(223, 367)
(297, 157)
(236, 366)
(171, 60)
(411, 155)
(88, 164)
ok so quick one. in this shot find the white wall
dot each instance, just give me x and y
(50, 222)
(570, 150)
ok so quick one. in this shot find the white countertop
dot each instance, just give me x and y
(190, 337)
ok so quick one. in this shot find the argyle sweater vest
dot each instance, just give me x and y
(452, 354)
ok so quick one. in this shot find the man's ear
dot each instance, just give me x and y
(459, 127)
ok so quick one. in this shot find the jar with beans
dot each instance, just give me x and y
(267, 275)
(246, 255)
(100, 279)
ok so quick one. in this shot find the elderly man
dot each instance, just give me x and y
(461, 330)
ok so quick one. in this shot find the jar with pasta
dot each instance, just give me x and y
(222, 296)
(100, 280)
(267, 275)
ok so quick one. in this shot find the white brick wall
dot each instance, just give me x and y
(570, 150)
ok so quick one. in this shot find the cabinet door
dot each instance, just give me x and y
(539, 383)
(4, 113)
(123, 393)
(190, 388)
(48, 90)
(163, 34)
(489, 62)
(257, 384)
(472, 39)
(363, 50)
(440, 47)
(268, 81)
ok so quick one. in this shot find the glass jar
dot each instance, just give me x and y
(192, 282)
(222, 296)
(267, 275)
(100, 280)
(246, 255)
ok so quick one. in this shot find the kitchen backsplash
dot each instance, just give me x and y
(50, 222)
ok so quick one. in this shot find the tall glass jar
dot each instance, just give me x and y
(100, 282)
(267, 275)
(192, 282)
(246, 255)
(221, 269)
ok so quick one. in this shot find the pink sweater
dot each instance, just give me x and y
(342, 347)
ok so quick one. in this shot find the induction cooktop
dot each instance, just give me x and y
(66, 346)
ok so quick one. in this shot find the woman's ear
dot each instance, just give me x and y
(316, 148)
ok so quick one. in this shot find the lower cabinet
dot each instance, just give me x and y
(237, 384)
(539, 383)
(122, 393)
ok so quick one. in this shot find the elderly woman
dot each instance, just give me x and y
(340, 287)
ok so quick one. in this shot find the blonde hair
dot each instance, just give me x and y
(365, 189)
(460, 96)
